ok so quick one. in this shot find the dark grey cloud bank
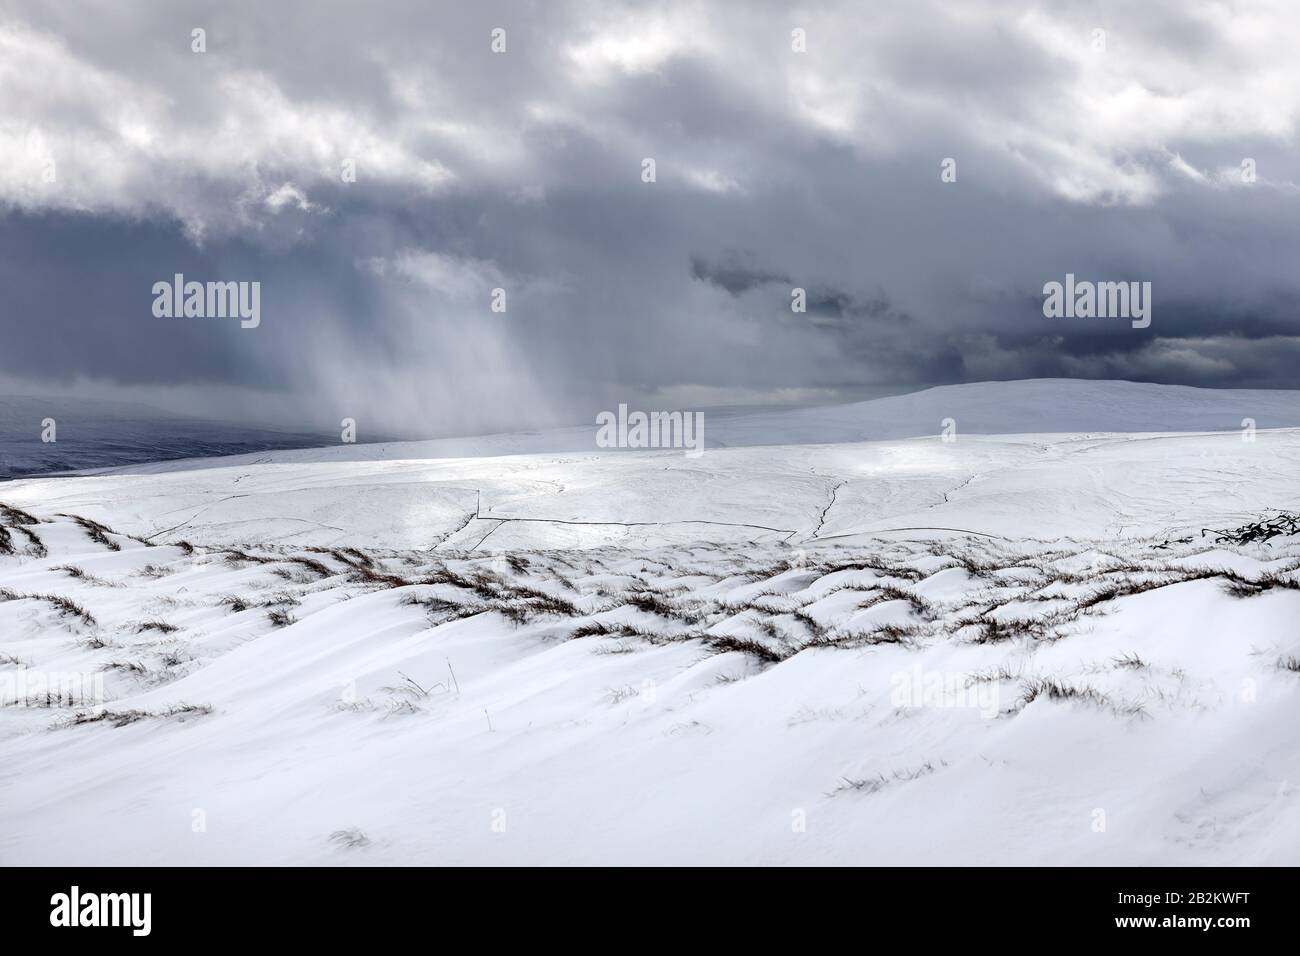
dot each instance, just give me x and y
(521, 171)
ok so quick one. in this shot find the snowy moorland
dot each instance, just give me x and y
(1068, 636)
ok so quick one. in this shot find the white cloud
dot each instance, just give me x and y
(122, 146)
(131, 135)
(638, 42)
(710, 180)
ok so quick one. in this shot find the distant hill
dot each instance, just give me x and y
(103, 435)
(1031, 406)
(99, 434)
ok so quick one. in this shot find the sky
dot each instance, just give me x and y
(794, 147)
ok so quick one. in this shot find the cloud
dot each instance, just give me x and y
(381, 174)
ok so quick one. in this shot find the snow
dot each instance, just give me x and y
(848, 644)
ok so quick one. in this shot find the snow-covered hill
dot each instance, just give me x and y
(1007, 648)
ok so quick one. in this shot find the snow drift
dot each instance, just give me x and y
(1042, 648)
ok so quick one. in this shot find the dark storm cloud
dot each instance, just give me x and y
(522, 171)
(824, 303)
(735, 276)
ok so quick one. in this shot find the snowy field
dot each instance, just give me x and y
(832, 638)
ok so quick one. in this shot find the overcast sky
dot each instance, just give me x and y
(1114, 156)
